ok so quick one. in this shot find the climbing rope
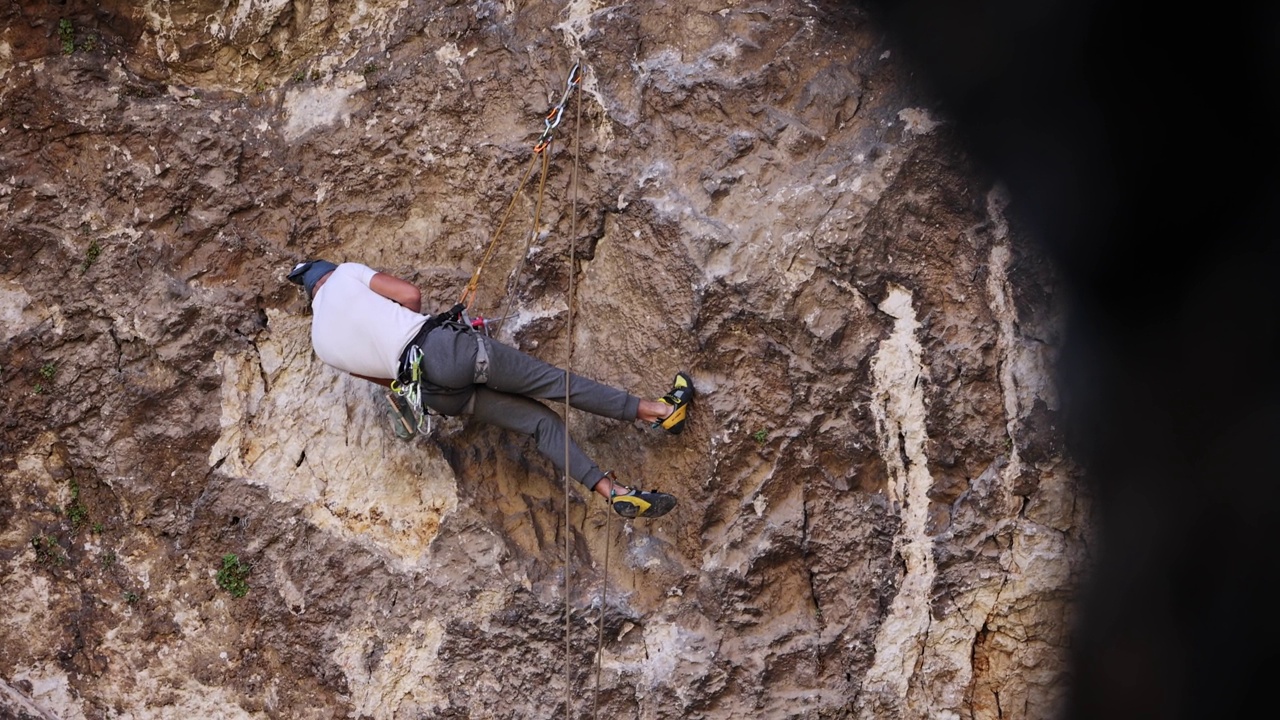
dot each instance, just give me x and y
(556, 114)
(553, 120)
(410, 390)
(608, 516)
(514, 281)
(568, 374)
(550, 123)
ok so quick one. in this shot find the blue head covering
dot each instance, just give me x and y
(307, 274)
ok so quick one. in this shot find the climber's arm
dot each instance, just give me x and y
(397, 290)
(381, 381)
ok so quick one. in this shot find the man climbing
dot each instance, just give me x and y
(370, 324)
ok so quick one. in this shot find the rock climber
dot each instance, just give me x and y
(370, 324)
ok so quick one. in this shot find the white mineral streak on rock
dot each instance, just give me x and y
(1034, 561)
(762, 240)
(1024, 369)
(517, 318)
(160, 24)
(31, 610)
(318, 438)
(452, 59)
(665, 648)
(669, 652)
(316, 106)
(918, 121)
(377, 19)
(399, 681)
(11, 697)
(15, 309)
(899, 407)
(257, 16)
(319, 11)
(6, 64)
(577, 25)
(50, 696)
(577, 22)
(1007, 341)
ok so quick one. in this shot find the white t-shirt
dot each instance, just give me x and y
(355, 329)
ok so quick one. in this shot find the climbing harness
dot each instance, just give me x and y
(408, 383)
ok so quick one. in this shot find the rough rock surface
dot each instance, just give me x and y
(877, 517)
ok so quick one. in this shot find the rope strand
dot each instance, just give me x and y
(544, 141)
(568, 369)
(537, 219)
(469, 293)
(568, 373)
(552, 120)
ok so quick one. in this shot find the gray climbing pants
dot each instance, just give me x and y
(465, 372)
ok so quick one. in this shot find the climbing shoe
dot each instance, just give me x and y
(679, 398)
(636, 503)
(403, 421)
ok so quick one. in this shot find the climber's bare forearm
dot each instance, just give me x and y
(381, 381)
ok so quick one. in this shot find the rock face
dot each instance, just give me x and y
(877, 516)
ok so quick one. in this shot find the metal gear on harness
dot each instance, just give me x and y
(408, 384)
(411, 390)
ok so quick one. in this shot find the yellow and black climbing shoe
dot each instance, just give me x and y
(679, 398)
(638, 503)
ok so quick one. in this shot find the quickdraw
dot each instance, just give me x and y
(557, 113)
(551, 122)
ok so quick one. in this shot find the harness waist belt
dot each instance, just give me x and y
(433, 322)
(417, 340)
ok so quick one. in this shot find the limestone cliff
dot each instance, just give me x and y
(877, 516)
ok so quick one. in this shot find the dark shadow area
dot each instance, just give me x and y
(1137, 144)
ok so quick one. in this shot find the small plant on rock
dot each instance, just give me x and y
(76, 511)
(233, 576)
(760, 436)
(47, 373)
(67, 33)
(48, 551)
(90, 256)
